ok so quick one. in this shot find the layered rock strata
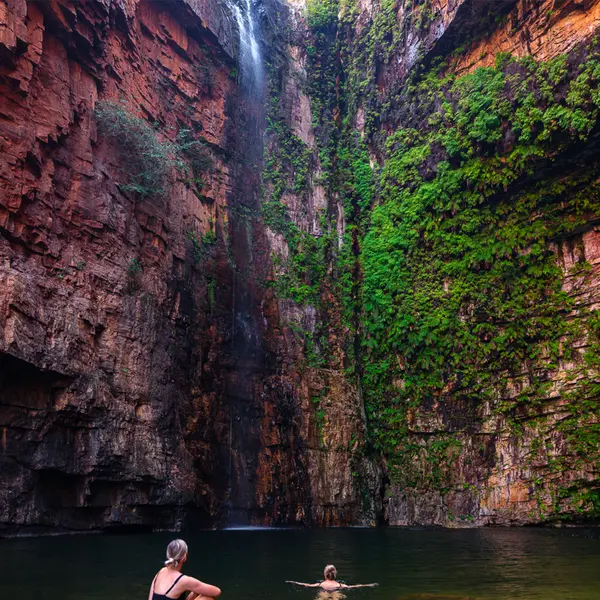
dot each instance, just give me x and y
(143, 379)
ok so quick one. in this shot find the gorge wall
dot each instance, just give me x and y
(456, 260)
(145, 380)
(106, 339)
(362, 289)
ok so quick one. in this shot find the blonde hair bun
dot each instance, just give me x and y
(330, 572)
(176, 552)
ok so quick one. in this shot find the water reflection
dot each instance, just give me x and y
(334, 595)
(436, 597)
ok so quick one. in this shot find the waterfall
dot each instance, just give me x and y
(245, 352)
(249, 50)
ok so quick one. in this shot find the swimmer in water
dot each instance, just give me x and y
(171, 584)
(329, 584)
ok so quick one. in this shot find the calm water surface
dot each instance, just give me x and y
(430, 564)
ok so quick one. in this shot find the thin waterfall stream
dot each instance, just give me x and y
(249, 56)
(246, 348)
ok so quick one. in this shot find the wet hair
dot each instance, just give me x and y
(176, 552)
(330, 572)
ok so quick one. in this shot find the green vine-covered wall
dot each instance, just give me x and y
(461, 284)
(463, 293)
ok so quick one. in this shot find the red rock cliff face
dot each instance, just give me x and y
(145, 379)
(107, 339)
(345, 484)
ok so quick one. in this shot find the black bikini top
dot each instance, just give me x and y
(156, 596)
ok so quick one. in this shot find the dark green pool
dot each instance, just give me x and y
(485, 563)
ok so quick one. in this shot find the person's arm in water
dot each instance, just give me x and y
(200, 589)
(359, 585)
(305, 584)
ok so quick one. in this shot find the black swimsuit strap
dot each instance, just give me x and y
(174, 584)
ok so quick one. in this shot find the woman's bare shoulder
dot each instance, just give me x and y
(166, 578)
(188, 580)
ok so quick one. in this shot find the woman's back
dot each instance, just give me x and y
(166, 584)
(169, 583)
(330, 585)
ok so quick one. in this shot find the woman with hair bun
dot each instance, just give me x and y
(170, 583)
(329, 584)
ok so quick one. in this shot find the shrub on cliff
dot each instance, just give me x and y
(196, 154)
(146, 159)
(322, 14)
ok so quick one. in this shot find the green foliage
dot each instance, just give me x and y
(461, 289)
(134, 271)
(196, 152)
(211, 289)
(202, 244)
(446, 273)
(147, 157)
(320, 416)
(322, 14)
(287, 164)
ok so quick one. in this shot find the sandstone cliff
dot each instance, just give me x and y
(143, 369)
(363, 289)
